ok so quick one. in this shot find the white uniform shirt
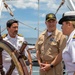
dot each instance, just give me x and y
(68, 53)
(17, 43)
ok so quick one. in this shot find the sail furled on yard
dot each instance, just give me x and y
(70, 4)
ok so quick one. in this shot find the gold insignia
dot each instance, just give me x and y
(74, 36)
(19, 35)
(4, 35)
(51, 16)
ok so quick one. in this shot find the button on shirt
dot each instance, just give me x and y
(69, 53)
(50, 44)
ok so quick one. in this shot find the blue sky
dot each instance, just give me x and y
(26, 11)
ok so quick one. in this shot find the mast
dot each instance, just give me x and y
(38, 18)
(1, 7)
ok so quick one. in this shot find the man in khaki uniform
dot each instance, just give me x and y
(49, 48)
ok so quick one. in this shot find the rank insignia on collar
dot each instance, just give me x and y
(74, 36)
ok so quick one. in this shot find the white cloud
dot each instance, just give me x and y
(46, 6)
(43, 15)
(23, 4)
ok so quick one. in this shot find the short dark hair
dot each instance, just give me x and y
(10, 22)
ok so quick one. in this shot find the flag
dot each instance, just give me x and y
(1, 7)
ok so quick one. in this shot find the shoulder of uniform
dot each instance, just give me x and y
(20, 35)
(4, 35)
(44, 32)
(58, 31)
(74, 36)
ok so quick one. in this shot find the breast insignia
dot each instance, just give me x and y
(4, 35)
(74, 36)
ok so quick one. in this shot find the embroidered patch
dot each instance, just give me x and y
(51, 16)
(52, 39)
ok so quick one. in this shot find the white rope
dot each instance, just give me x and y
(11, 13)
(29, 26)
(3, 30)
(8, 8)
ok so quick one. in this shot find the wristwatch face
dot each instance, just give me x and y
(51, 66)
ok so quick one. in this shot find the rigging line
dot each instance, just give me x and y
(3, 29)
(38, 17)
(63, 1)
(69, 8)
(11, 13)
(8, 8)
(71, 4)
(22, 24)
(29, 26)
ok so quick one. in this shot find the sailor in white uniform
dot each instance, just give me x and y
(15, 40)
(68, 28)
(17, 43)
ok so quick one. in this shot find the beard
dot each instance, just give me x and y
(15, 33)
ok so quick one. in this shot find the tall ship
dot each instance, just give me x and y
(31, 31)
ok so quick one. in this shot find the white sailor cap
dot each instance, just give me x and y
(67, 16)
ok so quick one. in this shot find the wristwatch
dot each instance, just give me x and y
(51, 66)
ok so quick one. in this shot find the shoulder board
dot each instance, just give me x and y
(4, 35)
(74, 36)
(20, 35)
